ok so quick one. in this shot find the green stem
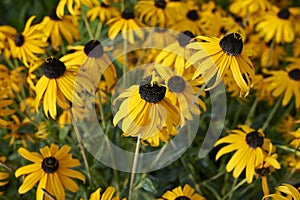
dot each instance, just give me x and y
(125, 62)
(101, 111)
(234, 188)
(271, 115)
(213, 178)
(251, 112)
(98, 31)
(87, 25)
(134, 165)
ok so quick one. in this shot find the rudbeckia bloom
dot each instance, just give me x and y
(106, 195)
(5, 33)
(187, 192)
(278, 25)
(3, 175)
(153, 12)
(70, 6)
(54, 27)
(51, 170)
(245, 7)
(55, 86)
(5, 111)
(28, 44)
(216, 56)
(284, 192)
(104, 11)
(191, 22)
(145, 109)
(248, 144)
(127, 25)
(175, 54)
(285, 82)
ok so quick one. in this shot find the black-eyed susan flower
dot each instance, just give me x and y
(72, 6)
(20, 130)
(175, 54)
(51, 169)
(28, 44)
(177, 10)
(5, 33)
(106, 195)
(12, 79)
(191, 22)
(285, 83)
(55, 86)
(284, 192)
(295, 139)
(145, 109)
(163, 136)
(128, 25)
(278, 25)
(248, 144)
(55, 28)
(153, 12)
(3, 175)
(270, 57)
(216, 56)
(5, 111)
(93, 62)
(187, 192)
(103, 11)
(244, 8)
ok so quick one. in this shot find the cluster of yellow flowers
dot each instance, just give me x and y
(72, 61)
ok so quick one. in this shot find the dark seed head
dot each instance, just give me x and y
(127, 14)
(176, 84)
(284, 13)
(182, 198)
(53, 15)
(184, 38)
(254, 139)
(26, 128)
(19, 40)
(193, 15)
(160, 4)
(263, 171)
(104, 5)
(50, 164)
(93, 49)
(152, 93)
(295, 74)
(232, 44)
(54, 68)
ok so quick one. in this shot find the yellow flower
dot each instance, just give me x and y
(278, 25)
(145, 109)
(216, 56)
(248, 144)
(55, 86)
(104, 11)
(127, 25)
(285, 82)
(284, 192)
(4, 111)
(51, 170)
(187, 192)
(247, 7)
(3, 175)
(28, 44)
(106, 195)
(54, 27)
(5, 33)
(71, 7)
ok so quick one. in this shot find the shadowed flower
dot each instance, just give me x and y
(216, 56)
(28, 44)
(55, 28)
(128, 25)
(185, 193)
(248, 144)
(55, 86)
(51, 170)
(284, 192)
(247, 7)
(3, 175)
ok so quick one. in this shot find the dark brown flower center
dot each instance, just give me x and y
(93, 49)
(284, 13)
(54, 68)
(193, 15)
(127, 14)
(295, 74)
(182, 198)
(19, 40)
(160, 4)
(232, 44)
(254, 139)
(26, 128)
(103, 5)
(151, 92)
(50, 164)
(184, 38)
(176, 84)
(53, 15)
(263, 171)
